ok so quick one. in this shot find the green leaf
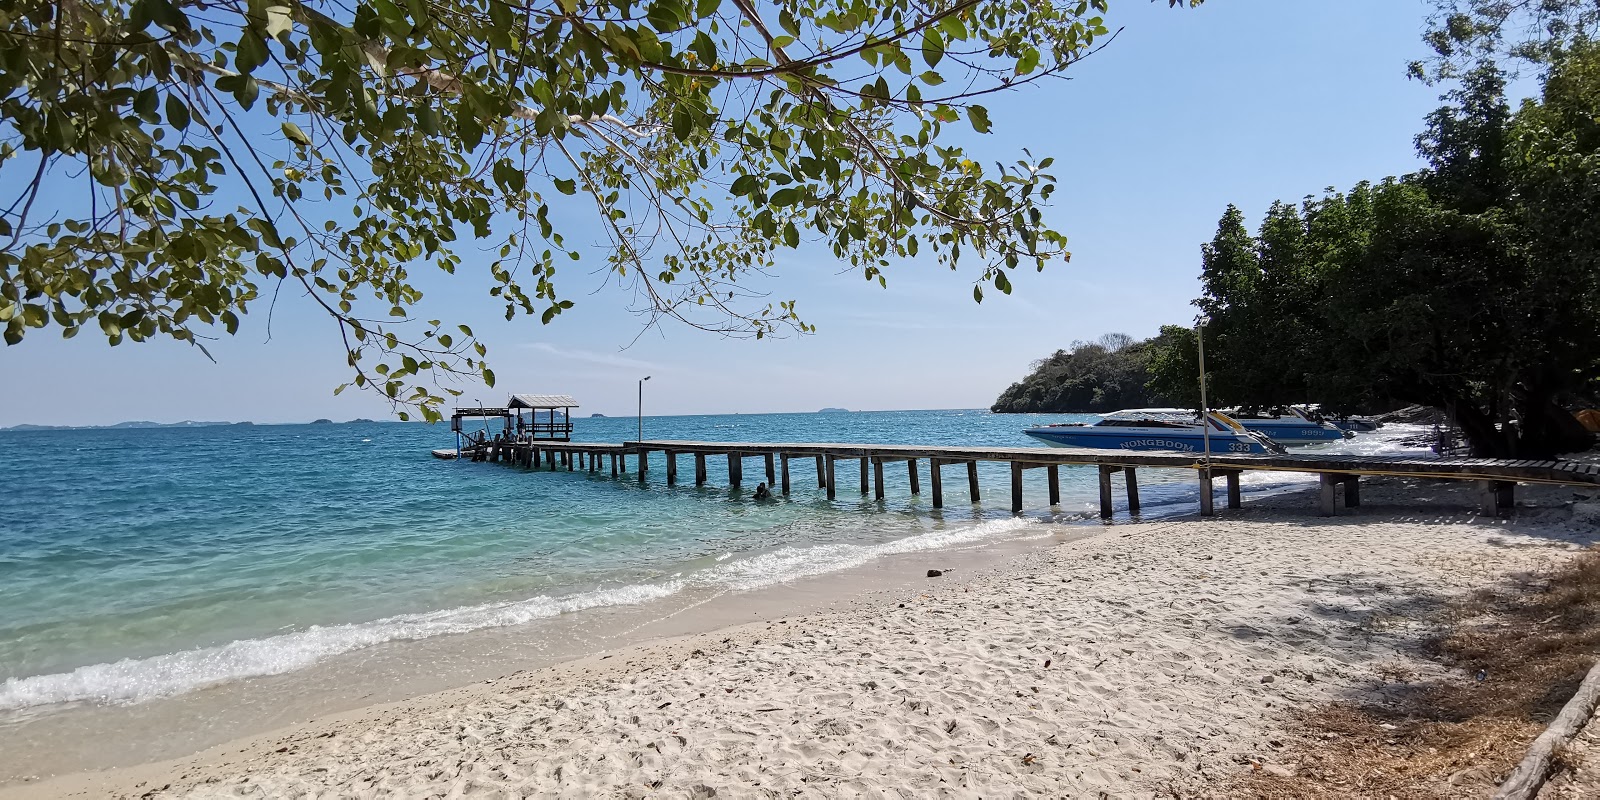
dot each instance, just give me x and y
(177, 112)
(293, 132)
(664, 15)
(932, 47)
(682, 124)
(280, 20)
(1001, 282)
(786, 197)
(932, 78)
(745, 185)
(979, 116)
(1028, 61)
(566, 186)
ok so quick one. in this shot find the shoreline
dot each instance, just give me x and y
(1176, 649)
(88, 737)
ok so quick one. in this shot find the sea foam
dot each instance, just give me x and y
(138, 680)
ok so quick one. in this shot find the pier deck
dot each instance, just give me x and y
(1496, 478)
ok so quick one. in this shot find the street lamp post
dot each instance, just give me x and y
(641, 407)
(1205, 409)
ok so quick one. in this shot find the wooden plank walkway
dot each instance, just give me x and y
(1496, 478)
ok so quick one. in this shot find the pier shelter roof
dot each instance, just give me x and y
(542, 401)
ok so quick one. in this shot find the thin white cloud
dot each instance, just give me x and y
(590, 356)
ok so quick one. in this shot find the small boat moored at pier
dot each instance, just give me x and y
(1166, 429)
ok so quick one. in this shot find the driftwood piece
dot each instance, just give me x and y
(1529, 776)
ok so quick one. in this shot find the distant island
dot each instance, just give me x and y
(133, 424)
(834, 411)
(593, 416)
(322, 422)
(358, 421)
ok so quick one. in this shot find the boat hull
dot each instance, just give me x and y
(1161, 441)
(1293, 432)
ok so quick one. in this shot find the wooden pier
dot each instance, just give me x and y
(1496, 478)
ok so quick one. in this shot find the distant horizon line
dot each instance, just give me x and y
(191, 423)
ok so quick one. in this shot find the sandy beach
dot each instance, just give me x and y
(1150, 658)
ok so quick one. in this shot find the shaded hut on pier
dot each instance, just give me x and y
(556, 422)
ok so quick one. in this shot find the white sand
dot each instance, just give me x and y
(1152, 657)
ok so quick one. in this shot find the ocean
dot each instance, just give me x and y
(146, 564)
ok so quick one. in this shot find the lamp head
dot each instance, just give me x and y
(645, 378)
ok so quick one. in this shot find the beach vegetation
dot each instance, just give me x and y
(1472, 285)
(170, 165)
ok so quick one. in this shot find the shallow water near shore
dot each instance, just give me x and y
(163, 566)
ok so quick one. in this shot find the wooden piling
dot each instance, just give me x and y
(699, 469)
(735, 469)
(916, 482)
(1105, 491)
(772, 473)
(644, 464)
(1207, 493)
(1328, 481)
(1133, 489)
(1054, 473)
(783, 465)
(972, 479)
(672, 468)
(1498, 498)
(1235, 498)
(822, 476)
(613, 465)
(936, 480)
(1016, 487)
(863, 476)
(1352, 491)
(829, 478)
(877, 478)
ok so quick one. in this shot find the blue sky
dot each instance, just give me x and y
(1241, 101)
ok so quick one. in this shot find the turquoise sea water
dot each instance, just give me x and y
(137, 564)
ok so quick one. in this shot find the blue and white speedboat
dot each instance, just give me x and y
(1293, 428)
(1164, 429)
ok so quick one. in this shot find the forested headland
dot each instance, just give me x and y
(1110, 373)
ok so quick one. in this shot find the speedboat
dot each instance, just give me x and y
(1292, 428)
(1344, 423)
(1170, 429)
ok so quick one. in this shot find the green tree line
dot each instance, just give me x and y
(1472, 285)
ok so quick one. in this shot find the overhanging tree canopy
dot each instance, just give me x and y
(168, 162)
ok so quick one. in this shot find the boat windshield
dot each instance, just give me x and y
(1151, 416)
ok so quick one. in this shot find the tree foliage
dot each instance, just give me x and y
(168, 165)
(1473, 285)
(1108, 374)
(1466, 34)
